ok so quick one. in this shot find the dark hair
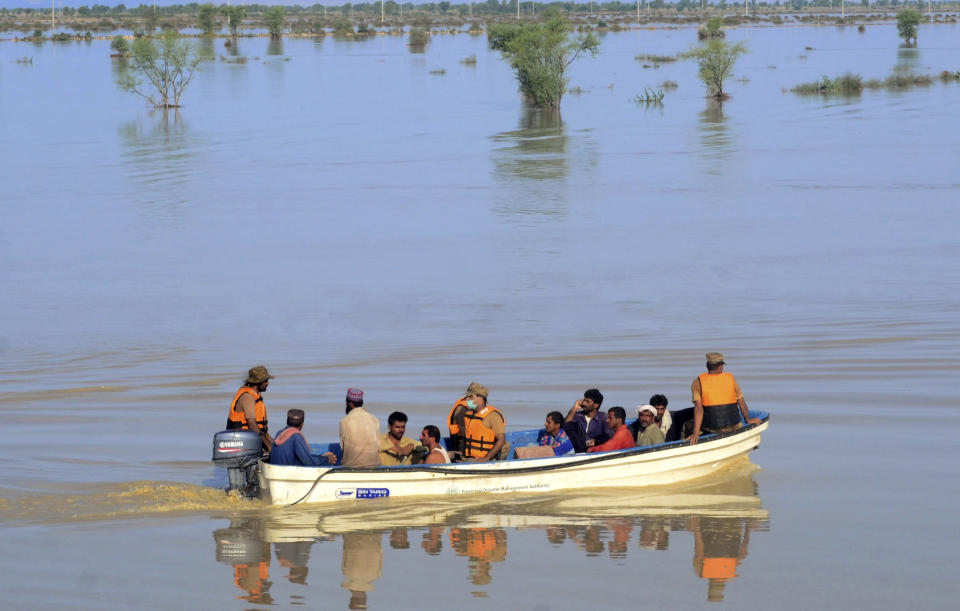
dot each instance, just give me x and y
(355, 403)
(617, 412)
(557, 417)
(658, 400)
(594, 395)
(714, 366)
(295, 417)
(432, 431)
(396, 417)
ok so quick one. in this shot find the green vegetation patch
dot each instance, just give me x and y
(853, 84)
(848, 84)
(649, 96)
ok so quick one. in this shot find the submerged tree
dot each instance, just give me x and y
(418, 39)
(274, 18)
(167, 63)
(119, 46)
(235, 16)
(715, 62)
(207, 18)
(712, 29)
(540, 54)
(908, 22)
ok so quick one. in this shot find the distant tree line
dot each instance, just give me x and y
(489, 7)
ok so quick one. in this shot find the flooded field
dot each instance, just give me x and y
(346, 214)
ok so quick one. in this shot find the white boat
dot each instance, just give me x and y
(667, 463)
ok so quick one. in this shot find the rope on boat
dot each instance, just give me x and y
(534, 469)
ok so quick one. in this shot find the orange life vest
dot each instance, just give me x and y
(479, 439)
(719, 568)
(477, 543)
(718, 394)
(244, 579)
(237, 419)
(454, 424)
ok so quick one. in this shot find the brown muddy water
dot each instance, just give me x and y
(335, 211)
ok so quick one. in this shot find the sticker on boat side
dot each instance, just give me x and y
(362, 493)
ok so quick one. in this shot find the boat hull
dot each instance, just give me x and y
(660, 465)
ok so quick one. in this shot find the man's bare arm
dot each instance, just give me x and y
(746, 412)
(697, 421)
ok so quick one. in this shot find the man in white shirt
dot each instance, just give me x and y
(430, 438)
(359, 433)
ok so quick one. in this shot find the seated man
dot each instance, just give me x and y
(395, 449)
(484, 432)
(359, 433)
(621, 439)
(586, 422)
(456, 421)
(664, 420)
(290, 447)
(554, 436)
(430, 438)
(649, 433)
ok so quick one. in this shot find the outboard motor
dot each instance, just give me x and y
(238, 452)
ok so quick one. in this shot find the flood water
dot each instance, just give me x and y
(347, 215)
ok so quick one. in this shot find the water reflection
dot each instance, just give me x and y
(482, 547)
(719, 518)
(362, 565)
(205, 49)
(716, 140)
(118, 68)
(908, 59)
(241, 546)
(232, 47)
(275, 47)
(537, 150)
(160, 151)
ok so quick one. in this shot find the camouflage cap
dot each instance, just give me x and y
(258, 375)
(477, 389)
(715, 358)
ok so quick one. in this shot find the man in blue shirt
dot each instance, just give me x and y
(290, 447)
(554, 436)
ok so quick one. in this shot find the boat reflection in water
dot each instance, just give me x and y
(720, 515)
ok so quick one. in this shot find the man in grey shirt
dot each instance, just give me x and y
(359, 433)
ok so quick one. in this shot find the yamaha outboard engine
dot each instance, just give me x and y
(238, 452)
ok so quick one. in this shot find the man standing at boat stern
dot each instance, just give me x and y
(359, 433)
(247, 411)
(717, 401)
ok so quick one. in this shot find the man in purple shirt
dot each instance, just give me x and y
(290, 447)
(586, 424)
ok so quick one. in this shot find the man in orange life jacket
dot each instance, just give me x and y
(483, 428)
(717, 401)
(247, 411)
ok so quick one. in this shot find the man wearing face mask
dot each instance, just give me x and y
(483, 428)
